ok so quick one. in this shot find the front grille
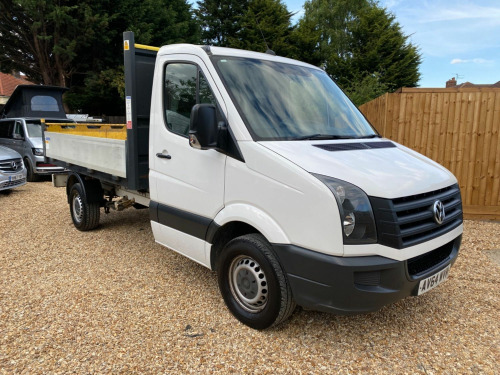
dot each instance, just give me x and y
(408, 221)
(425, 262)
(11, 165)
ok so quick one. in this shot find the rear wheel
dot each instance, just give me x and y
(31, 176)
(85, 215)
(253, 284)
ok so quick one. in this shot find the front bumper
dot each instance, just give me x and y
(50, 170)
(14, 180)
(351, 285)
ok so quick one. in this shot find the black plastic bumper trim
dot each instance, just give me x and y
(337, 284)
(183, 221)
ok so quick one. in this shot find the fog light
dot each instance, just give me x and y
(349, 223)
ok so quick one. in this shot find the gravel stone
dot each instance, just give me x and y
(113, 301)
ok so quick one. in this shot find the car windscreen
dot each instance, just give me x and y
(34, 129)
(280, 101)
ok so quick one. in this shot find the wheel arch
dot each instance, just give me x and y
(238, 220)
(91, 187)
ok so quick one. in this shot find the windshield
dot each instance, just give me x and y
(34, 130)
(288, 102)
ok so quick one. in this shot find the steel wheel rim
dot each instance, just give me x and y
(78, 208)
(248, 284)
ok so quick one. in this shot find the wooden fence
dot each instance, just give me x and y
(456, 127)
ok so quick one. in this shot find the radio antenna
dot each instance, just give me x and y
(268, 51)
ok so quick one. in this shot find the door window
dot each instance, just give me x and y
(34, 129)
(205, 93)
(6, 129)
(18, 130)
(184, 86)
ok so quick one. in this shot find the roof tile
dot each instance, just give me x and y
(8, 83)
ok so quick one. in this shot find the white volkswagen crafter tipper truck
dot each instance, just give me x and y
(261, 169)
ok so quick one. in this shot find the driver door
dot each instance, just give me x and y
(187, 184)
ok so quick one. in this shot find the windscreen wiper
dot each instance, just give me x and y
(321, 136)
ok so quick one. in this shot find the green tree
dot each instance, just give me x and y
(323, 31)
(366, 88)
(43, 38)
(360, 45)
(220, 19)
(265, 24)
(379, 45)
(100, 89)
(78, 43)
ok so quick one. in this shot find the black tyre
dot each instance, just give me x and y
(253, 284)
(85, 215)
(31, 176)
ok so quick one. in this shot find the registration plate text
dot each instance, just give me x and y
(15, 177)
(433, 281)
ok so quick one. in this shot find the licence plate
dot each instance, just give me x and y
(15, 177)
(433, 281)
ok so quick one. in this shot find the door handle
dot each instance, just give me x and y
(163, 156)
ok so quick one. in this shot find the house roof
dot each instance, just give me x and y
(8, 84)
(453, 83)
(469, 84)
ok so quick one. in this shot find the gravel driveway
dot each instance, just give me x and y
(113, 301)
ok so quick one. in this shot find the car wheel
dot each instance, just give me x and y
(85, 215)
(253, 284)
(31, 176)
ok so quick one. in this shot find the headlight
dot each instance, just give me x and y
(37, 151)
(358, 223)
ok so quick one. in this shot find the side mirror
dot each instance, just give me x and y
(17, 136)
(203, 128)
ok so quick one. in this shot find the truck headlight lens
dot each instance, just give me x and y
(37, 151)
(358, 223)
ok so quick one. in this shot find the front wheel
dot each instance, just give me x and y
(31, 176)
(85, 215)
(253, 284)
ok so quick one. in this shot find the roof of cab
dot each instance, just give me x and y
(198, 50)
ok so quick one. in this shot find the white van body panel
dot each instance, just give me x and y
(101, 154)
(386, 172)
(304, 207)
(182, 243)
(257, 218)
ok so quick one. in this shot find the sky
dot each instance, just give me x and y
(457, 38)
